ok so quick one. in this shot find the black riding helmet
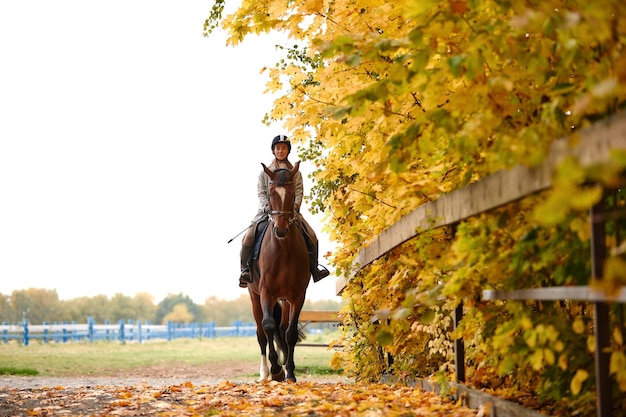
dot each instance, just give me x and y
(281, 139)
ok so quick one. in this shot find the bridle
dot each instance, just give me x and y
(293, 214)
(282, 213)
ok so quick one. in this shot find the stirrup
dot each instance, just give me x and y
(245, 278)
(320, 273)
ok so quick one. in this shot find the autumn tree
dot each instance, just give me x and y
(167, 305)
(145, 308)
(121, 307)
(225, 312)
(179, 314)
(78, 309)
(4, 307)
(397, 103)
(34, 304)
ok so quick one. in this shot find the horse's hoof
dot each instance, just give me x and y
(279, 377)
(291, 380)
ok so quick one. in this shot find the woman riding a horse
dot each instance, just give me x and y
(278, 276)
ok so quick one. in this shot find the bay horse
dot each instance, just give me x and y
(280, 279)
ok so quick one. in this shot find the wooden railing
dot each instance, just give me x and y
(319, 316)
(594, 146)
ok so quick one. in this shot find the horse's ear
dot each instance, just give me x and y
(268, 171)
(295, 168)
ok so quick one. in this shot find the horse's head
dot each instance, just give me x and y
(282, 198)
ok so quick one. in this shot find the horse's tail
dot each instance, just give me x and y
(301, 333)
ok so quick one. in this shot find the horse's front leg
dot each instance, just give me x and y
(292, 337)
(264, 371)
(269, 328)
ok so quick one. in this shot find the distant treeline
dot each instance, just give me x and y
(42, 305)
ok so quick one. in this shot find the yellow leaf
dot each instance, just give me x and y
(617, 367)
(618, 362)
(617, 336)
(586, 197)
(563, 362)
(536, 360)
(559, 346)
(591, 344)
(531, 338)
(614, 275)
(577, 382)
(526, 323)
(581, 227)
(578, 326)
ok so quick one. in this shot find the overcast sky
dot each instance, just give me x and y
(129, 149)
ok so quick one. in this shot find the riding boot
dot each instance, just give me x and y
(246, 277)
(318, 271)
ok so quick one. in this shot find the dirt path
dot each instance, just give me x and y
(154, 375)
(165, 391)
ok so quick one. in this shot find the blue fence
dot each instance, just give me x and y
(123, 331)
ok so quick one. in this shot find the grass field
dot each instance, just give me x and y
(110, 358)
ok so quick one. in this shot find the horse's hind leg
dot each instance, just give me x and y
(281, 315)
(292, 337)
(269, 327)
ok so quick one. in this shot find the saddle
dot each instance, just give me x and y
(259, 232)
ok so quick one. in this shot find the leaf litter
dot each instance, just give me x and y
(230, 399)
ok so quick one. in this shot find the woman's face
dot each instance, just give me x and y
(281, 151)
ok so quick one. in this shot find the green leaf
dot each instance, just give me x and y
(344, 43)
(420, 60)
(416, 35)
(402, 313)
(456, 65)
(353, 59)
(384, 338)
(506, 365)
(427, 317)
(619, 156)
(341, 112)
(394, 143)
(397, 165)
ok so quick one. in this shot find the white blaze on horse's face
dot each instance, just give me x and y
(281, 222)
(282, 198)
(281, 191)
